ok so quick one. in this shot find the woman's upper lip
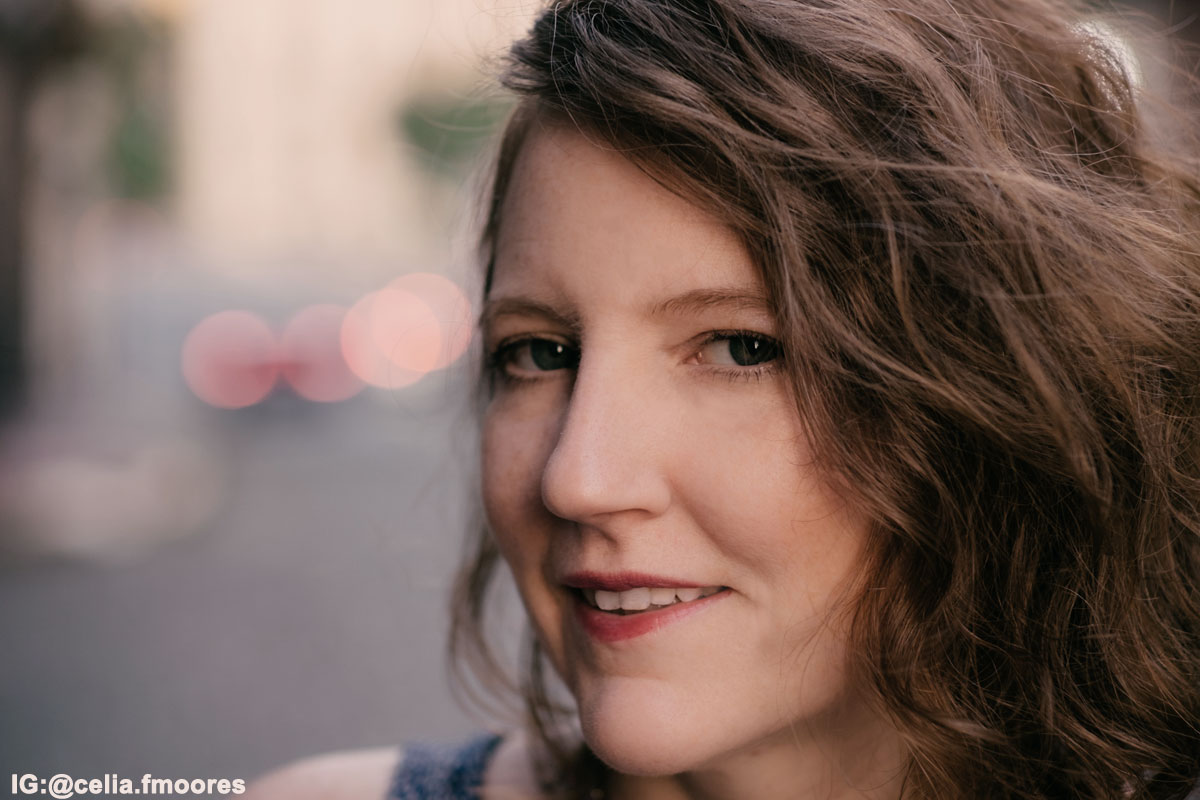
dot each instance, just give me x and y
(623, 581)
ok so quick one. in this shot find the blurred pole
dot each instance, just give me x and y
(34, 34)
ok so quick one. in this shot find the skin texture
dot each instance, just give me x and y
(658, 453)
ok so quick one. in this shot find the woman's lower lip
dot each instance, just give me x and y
(608, 627)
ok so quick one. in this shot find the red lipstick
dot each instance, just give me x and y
(605, 626)
(609, 626)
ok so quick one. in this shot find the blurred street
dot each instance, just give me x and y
(308, 615)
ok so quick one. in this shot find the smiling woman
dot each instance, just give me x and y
(840, 423)
(631, 345)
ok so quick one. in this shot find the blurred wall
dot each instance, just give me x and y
(287, 119)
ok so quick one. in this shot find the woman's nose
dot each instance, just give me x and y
(613, 448)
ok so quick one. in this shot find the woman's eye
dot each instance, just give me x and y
(536, 355)
(739, 349)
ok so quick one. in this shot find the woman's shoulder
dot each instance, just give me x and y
(486, 766)
(332, 776)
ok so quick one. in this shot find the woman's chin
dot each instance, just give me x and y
(645, 737)
(635, 755)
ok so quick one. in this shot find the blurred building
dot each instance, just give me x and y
(290, 128)
(283, 149)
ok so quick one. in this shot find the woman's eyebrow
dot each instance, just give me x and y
(737, 299)
(495, 308)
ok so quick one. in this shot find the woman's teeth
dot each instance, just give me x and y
(643, 599)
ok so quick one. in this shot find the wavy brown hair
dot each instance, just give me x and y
(985, 266)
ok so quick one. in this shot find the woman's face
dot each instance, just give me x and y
(641, 447)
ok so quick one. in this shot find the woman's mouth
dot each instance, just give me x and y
(637, 600)
(609, 616)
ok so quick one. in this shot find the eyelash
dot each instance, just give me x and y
(754, 372)
(501, 355)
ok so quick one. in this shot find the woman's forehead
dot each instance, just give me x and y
(579, 215)
(565, 169)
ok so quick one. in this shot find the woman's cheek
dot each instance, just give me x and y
(511, 458)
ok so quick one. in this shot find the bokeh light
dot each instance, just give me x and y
(229, 359)
(390, 339)
(418, 323)
(451, 307)
(311, 355)
(406, 330)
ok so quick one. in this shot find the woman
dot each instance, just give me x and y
(840, 418)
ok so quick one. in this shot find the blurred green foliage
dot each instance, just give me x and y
(447, 132)
(132, 49)
(138, 159)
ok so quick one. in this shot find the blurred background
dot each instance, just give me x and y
(237, 287)
(236, 447)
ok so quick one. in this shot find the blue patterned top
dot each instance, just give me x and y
(443, 772)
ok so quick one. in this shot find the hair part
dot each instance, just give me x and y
(986, 274)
